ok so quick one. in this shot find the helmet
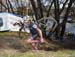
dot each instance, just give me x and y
(27, 18)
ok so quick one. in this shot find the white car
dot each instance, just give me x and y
(5, 22)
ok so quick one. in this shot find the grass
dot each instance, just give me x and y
(11, 51)
(65, 53)
(9, 33)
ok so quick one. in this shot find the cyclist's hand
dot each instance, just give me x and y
(41, 40)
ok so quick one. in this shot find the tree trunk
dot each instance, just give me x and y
(63, 7)
(11, 6)
(34, 9)
(21, 9)
(3, 5)
(49, 9)
(40, 8)
(65, 19)
(57, 16)
(8, 8)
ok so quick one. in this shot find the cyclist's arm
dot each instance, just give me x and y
(40, 33)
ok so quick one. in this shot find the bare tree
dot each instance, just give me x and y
(63, 6)
(11, 6)
(34, 9)
(65, 18)
(8, 6)
(49, 9)
(2, 6)
(57, 16)
(40, 10)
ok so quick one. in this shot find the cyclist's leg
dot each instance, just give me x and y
(33, 40)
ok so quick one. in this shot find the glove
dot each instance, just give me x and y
(42, 40)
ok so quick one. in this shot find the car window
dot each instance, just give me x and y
(1, 22)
